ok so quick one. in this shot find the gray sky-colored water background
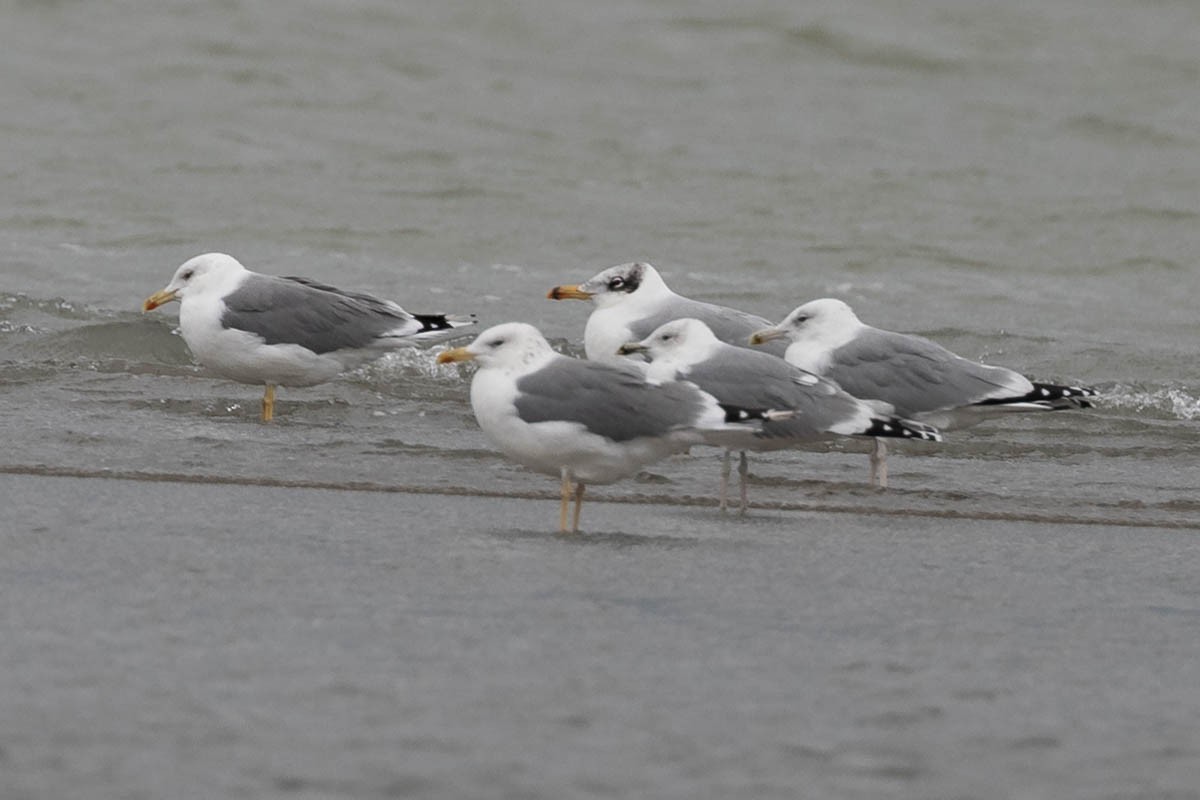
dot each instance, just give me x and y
(363, 599)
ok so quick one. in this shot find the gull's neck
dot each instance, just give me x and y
(812, 348)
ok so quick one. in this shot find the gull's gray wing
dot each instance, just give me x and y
(608, 400)
(916, 375)
(313, 315)
(758, 381)
(730, 325)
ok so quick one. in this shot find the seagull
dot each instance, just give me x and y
(585, 422)
(686, 349)
(264, 329)
(632, 300)
(921, 379)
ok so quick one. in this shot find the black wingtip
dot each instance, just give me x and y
(739, 414)
(1051, 396)
(1052, 391)
(443, 322)
(894, 428)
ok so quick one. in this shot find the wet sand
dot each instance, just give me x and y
(180, 639)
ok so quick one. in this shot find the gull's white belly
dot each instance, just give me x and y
(549, 446)
(243, 356)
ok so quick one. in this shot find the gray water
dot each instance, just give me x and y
(196, 604)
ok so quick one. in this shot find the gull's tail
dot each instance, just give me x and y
(433, 325)
(896, 428)
(1044, 397)
(739, 414)
(742, 426)
(443, 322)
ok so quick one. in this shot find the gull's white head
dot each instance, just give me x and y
(197, 275)
(825, 321)
(614, 285)
(512, 346)
(681, 342)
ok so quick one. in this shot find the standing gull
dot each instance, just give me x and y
(686, 349)
(583, 421)
(263, 329)
(632, 300)
(921, 379)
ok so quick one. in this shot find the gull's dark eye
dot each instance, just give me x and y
(616, 283)
(800, 320)
(187, 275)
(494, 343)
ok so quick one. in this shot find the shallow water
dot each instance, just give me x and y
(1016, 181)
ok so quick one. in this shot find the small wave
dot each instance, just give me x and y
(55, 306)
(414, 371)
(869, 53)
(1120, 130)
(1172, 402)
(133, 339)
(1153, 214)
(726, 23)
(7, 326)
(403, 363)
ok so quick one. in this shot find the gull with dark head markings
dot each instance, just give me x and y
(582, 421)
(274, 331)
(921, 379)
(632, 300)
(685, 349)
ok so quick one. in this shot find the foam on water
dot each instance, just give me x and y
(1164, 402)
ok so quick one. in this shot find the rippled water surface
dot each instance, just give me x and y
(1018, 181)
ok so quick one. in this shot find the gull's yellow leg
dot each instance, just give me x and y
(268, 411)
(566, 499)
(579, 487)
